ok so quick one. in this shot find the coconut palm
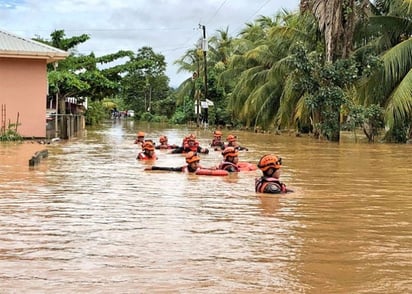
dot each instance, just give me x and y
(263, 93)
(219, 50)
(220, 47)
(189, 62)
(336, 21)
(391, 85)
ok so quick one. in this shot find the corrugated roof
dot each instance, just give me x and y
(18, 47)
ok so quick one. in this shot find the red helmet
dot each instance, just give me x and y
(192, 157)
(268, 161)
(229, 151)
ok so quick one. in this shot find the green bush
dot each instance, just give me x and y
(10, 135)
(178, 118)
(96, 113)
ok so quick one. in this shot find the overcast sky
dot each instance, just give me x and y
(170, 27)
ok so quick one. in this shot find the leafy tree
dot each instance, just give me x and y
(79, 76)
(145, 82)
(184, 112)
(336, 21)
(96, 112)
(324, 87)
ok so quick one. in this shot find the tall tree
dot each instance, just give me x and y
(263, 93)
(390, 86)
(336, 21)
(145, 81)
(79, 76)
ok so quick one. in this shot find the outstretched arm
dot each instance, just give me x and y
(178, 169)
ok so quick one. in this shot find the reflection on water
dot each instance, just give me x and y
(90, 219)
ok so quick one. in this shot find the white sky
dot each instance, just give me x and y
(170, 27)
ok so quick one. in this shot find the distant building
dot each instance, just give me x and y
(23, 82)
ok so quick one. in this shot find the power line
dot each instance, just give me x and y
(253, 15)
(96, 30)
(216, 12)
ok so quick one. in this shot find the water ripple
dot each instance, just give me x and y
(91, 220)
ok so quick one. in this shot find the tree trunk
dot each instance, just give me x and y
(349, 19)
(336, 21)
(62, 104)
(304, 6)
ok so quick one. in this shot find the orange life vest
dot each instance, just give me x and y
(143, 156)
(229, 166)
(269, 185)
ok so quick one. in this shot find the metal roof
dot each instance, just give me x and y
(13, 46)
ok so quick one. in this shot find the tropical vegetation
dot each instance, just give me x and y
(333, 65)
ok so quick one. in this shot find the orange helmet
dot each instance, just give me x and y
(192, 157)
(140, 134)
(148, 145)
(229, 151)
(217, 133)
(268, 161)
(231, 138)
(163, 139)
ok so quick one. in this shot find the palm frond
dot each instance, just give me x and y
(397, 62)
(399, 104)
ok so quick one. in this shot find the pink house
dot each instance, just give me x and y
(23, 83)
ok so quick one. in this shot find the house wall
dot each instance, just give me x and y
(23, 89)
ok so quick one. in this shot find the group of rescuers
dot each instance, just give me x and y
(269, 164)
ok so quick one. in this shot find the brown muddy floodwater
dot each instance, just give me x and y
(89, 219)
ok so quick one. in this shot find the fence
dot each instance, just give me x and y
(67, 126)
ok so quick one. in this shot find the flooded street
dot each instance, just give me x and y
(89, 219)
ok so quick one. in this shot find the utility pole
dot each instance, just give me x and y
(197, 92)
(205, 48)
(56, 118)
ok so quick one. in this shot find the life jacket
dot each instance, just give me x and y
(246, 166)
(233, 144)
(217, 143)
(263, 182)
(236, 145)
(194, 147)
(143, 156)
(226, 165)
(164, 146)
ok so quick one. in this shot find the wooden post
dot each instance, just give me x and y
(38, 156)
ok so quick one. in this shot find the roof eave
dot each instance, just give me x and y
(49, 56)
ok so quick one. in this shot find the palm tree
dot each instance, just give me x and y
(336, 21)
(189, 62)
(263, 93)
(390, 28)
(220, 48)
